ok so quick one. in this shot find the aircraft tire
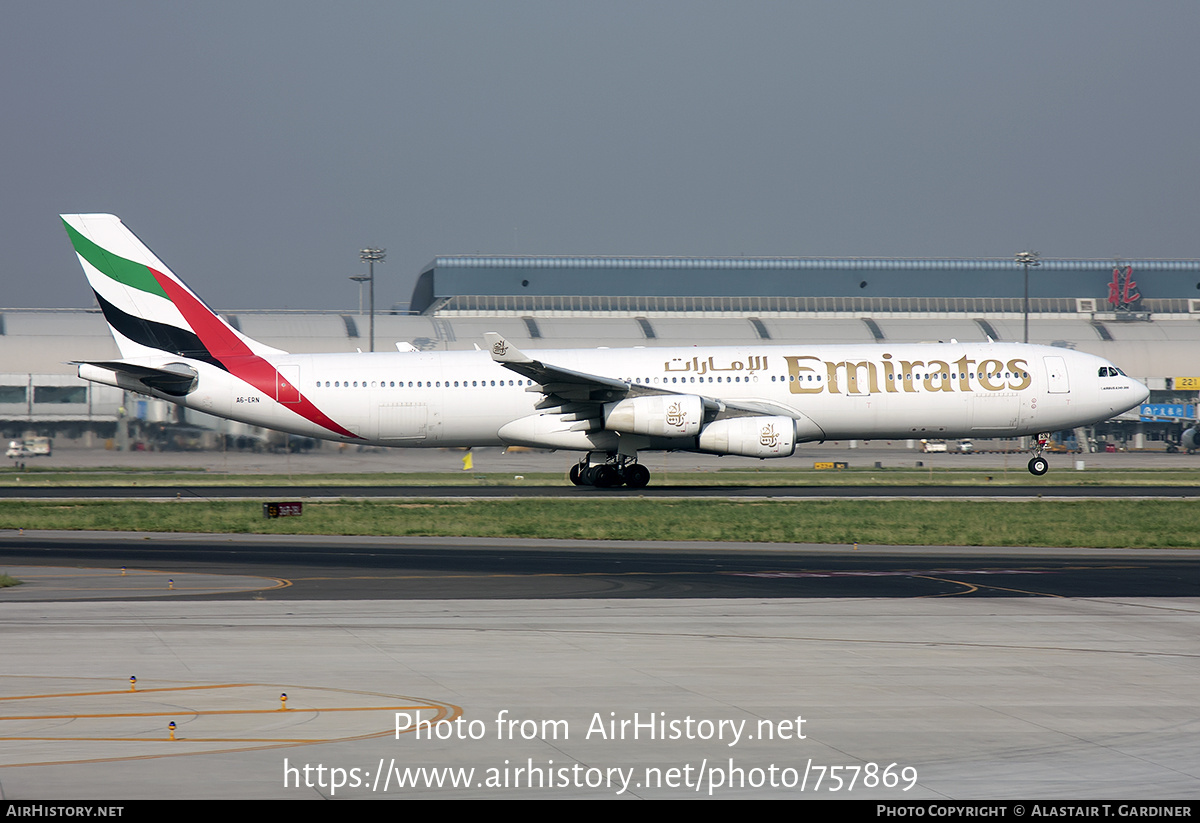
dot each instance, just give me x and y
(576, 475)
(604, 477)
(636, 476)
(1038, 466)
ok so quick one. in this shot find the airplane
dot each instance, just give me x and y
(608, 404)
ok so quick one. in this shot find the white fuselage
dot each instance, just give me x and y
(937, 390)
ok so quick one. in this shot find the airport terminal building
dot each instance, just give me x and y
(1139, 314)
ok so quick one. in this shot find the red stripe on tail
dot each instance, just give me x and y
(235, 355)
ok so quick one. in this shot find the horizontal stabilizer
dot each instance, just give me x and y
(174, 379)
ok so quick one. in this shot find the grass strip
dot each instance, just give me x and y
(1099, 524)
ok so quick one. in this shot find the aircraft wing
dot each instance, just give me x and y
(562, 386)
(555, 380)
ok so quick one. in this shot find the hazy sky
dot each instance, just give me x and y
(256, 146)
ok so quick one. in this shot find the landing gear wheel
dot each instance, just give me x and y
(1038, 466)
(605, 470)
(636, 476)
(604, 477)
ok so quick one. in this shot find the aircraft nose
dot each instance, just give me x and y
(1143, 391)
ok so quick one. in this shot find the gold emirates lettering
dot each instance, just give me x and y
(812, 375)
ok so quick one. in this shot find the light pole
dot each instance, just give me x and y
(360, 279)
(1027, 259)
(371, 257)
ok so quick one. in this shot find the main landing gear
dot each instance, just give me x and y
(1039, 465)
(614, 470)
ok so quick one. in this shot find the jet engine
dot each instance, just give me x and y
(659, 415)
(750, 436)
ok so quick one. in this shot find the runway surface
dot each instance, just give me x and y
(301, 492)
(622, 670)
(384, 568)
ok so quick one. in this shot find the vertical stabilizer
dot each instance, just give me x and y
(149, 310)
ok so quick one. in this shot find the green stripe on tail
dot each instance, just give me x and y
(127, 272)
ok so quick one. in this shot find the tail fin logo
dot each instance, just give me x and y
(151, 311)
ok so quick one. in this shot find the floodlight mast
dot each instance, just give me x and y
(360, 279)
(1027, 259)
(372, 256)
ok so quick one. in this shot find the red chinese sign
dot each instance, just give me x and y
(1122, 292)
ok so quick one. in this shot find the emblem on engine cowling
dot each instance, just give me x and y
(768, 436)
(676, 416)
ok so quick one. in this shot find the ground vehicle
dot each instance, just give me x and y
(29, 447)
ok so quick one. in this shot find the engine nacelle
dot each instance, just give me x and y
(659, 415)
(1190, 440)
(750, 436)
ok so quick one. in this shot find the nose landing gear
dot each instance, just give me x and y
(1039, 465)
